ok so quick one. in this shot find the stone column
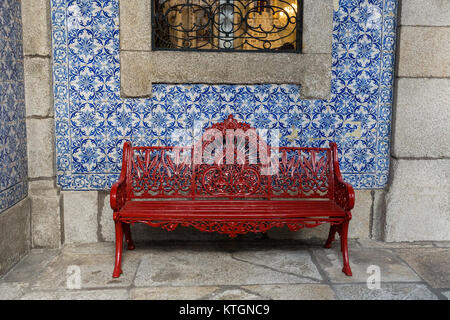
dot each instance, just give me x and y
(417, 205)
(45, 197)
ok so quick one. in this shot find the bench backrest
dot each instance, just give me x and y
(230, 161)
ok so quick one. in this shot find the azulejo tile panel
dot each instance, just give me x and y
(13, 152)
(92, 121)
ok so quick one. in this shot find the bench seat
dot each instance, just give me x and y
(231, 209)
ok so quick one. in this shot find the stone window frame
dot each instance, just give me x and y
(141, 66)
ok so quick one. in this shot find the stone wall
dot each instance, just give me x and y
(15, 234)
(417, 201)
(413, 207)
(46, 227)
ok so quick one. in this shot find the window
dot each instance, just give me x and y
(227, 25)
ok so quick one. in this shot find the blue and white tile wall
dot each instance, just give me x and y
(92, 121)
(13, 144)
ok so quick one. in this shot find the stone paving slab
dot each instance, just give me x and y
(447, 294)
(171, 293)
(292, 261)
(107, 248)
(293, 291)
(235, 294)
(366, 243)
(95, 270)
(392, 268)
(29, 268)
(433, 265)
(388, 291)
(208, 267)
(107, 294)
(12, 290)
(442, 244)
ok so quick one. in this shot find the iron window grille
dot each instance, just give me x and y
(227, 25)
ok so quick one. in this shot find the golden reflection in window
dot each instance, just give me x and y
(267, 25)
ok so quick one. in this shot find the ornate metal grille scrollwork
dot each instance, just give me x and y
(227, 25)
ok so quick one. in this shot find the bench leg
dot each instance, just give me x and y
(344, 248)
(128, 239)
(119, 247)
(333, 229)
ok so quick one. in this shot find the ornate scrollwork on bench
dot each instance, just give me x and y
(233, 228)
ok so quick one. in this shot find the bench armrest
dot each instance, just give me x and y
(344, 195)
(118, 193)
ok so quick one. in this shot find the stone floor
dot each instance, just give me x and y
(232, 270)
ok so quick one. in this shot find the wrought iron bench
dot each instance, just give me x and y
(249, 187)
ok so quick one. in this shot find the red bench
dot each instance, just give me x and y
(168, 187)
